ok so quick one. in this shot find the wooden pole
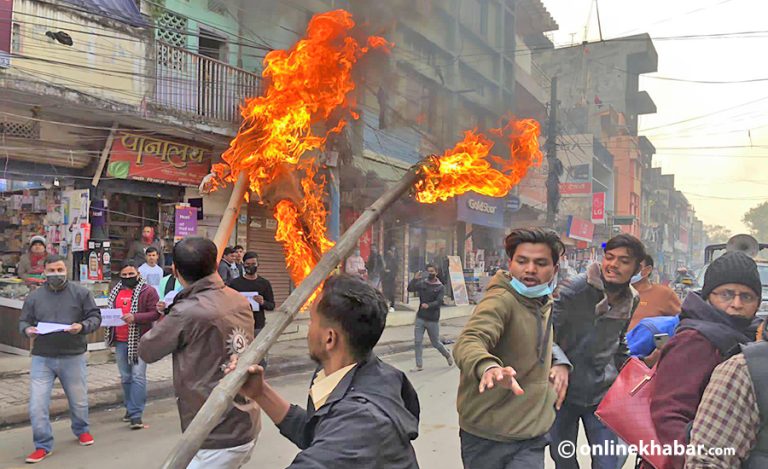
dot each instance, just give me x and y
(220, 400)
(104, 155)
(229, 219)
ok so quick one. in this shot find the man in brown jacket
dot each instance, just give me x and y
(506, 401)
(206, 324)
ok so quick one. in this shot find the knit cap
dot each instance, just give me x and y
(732, 267)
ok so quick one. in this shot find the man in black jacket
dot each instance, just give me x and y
(361, 412)
(431, 291)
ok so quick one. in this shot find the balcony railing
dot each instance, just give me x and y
(194, 84)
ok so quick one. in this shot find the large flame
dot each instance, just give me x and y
(308, 87)
(467, 167)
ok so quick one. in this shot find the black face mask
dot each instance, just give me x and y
(251, 269)
(432, 276)
(130, 282)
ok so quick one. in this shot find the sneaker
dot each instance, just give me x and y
(391, 309)
(85, 439)
(449, 359)
(37, 456)
(417, 369)
(126, 417)
(137, 424)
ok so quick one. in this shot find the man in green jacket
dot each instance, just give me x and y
(507, 391)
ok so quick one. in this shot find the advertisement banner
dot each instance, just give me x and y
(579, 229)
(481, 210)
(598, 208)
(185, 222)
(460, 295)
(153, 160)
(582, 189)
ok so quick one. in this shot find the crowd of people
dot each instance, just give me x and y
(535, 358)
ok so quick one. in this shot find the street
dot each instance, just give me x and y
(118, 447)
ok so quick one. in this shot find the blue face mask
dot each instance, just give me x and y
(536, 291)
(636, 278)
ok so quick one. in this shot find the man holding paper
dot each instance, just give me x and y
(65, 313)
(257, 289)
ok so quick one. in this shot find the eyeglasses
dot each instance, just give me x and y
(730, 295)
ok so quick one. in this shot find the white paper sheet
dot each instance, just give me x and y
(249, 296)
(112, 317)
(50, 327)
(169, 297)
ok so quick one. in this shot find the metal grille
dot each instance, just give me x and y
(29, 130)
(172, 29)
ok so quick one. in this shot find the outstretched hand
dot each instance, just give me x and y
(504, 377)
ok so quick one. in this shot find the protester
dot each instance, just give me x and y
(375, 267)
(712, 327)
(591, 315)
(431, 292)
(168, 284)
(506, 402)
(734, 412)
(227, 267)
(32, 263)
(138, 302)
(137, 250)
(206, 324)
(389, 276)
(150, 272)
(251, 281)
(355, 264)
(361, 412)
(239, 253)
(655, 299)
(58, 354)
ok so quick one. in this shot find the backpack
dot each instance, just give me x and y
(640, 338)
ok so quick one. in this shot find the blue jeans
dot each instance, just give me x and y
(566, 428)
(479, 453)
(133, 377)
(73, 375)
(433, 331)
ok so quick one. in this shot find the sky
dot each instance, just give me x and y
(712, 137)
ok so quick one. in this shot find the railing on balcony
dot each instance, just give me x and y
(201, 86)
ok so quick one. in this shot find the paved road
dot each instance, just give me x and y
(117, 447)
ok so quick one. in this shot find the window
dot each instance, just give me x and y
(484, 18)
(16, 38)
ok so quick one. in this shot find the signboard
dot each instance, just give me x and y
(513, 203)
(598, 207)
(457, 281)
(6, 32)
(576, 188)
(579, 229)
(185, 222)
(153, 160)
(481, 210)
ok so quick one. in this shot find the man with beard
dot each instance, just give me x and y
(591, 315)
(361, 412)
(138, 249)
(713, 326)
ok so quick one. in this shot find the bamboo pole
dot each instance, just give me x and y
(229, 219)
(220, 400)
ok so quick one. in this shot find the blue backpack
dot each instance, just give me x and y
(640, 338)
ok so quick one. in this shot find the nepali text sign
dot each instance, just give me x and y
(481, 210)
(185, 222)
(598, 207)
(579, 229)
(154, 160)
(6, 32)
(582, 189)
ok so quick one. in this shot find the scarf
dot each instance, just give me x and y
(133, 329)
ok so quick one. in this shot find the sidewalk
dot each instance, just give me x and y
(285, 357)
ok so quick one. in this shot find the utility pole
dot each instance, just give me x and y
(555, 166)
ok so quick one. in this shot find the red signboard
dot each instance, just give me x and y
(598, 207)
(575, 188)
(579, 229)
(150, 159)
(6, 32)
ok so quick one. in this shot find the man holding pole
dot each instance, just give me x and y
(361, 412)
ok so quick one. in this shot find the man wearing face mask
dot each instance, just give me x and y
(591, 316)
(355, 264)
(251, 281)
(655, 299)
(138, 249)
(58, 354)
(431, 292)
(507, 391)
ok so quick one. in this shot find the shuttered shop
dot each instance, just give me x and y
(261, 238)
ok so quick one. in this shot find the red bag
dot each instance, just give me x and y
(626, 409)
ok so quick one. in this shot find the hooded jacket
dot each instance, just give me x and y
(592, 334)
(507, 329)
(705, 338)
(431, 293)
(368, 422)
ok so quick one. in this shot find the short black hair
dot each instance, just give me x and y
(430, 265)
(151, 249)
(535, 236)
(648, 260)
(238, 247)
(250, 255)
(633, 245)
(129, 263)
(53, 258)
(358, 308)
(195, 258)
(228, 250)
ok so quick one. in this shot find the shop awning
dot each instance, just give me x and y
(124, 11)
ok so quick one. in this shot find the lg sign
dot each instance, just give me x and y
(481, 206)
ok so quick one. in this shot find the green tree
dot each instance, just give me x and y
(756, 220)
(717, 234)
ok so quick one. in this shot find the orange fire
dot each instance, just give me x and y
(309, 86)
(467, 167)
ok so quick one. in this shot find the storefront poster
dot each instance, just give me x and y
(185, 222)
(150, 159)
(579, 229)
(481, 210)
(598, 207)
(457, 281)
(80, 236)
